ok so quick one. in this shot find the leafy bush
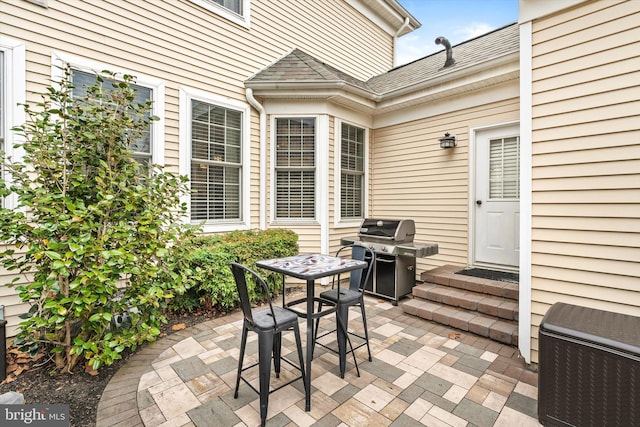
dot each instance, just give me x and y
(206, 260)
(94, 227)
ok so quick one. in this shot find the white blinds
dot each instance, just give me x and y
(216, 162)
(504, 168)
(352, 171)
(295, 168)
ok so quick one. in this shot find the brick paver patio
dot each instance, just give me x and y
(421, 374)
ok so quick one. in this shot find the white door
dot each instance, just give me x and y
(497, 197)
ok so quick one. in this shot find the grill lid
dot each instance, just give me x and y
(400, 231)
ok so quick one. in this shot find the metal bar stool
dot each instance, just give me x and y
(344, 298)
(268, 323)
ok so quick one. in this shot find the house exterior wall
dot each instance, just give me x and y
(585, 185)
(413, 177)
(187, 50)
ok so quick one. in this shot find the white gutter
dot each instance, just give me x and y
(263, 156)
(395, 40)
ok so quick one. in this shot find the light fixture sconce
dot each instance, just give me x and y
(447, 141)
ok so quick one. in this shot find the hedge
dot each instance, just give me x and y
(205, 260)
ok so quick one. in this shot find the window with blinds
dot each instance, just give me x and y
(504, 168)
(295, 168)
(352, 171)
(142, 146)
(216, 162)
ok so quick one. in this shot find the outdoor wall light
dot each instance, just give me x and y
(447, 141)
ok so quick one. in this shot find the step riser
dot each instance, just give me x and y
(484, 307)
(498, 330)
(473, 284)
(472, 301)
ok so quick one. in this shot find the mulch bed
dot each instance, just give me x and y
(40, 383)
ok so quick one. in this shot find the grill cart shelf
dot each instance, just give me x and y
(589, 368)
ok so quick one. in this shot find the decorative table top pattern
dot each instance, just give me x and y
(311, 266)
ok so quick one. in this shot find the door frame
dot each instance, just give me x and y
(473, 153)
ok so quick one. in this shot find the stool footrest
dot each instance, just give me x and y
(304, 314)
(281, 385)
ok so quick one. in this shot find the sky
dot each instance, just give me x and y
(457, 20)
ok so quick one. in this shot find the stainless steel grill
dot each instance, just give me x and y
(392, 240)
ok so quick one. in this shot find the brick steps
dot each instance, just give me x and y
(481, 306)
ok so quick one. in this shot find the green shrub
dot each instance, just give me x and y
(93, 227)
(206, 260)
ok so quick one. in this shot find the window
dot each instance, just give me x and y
(504, 168)
(351, 171)
(142, 147)
(233, 10)
(215, 154)
(149, 148)
(295, 168)
(216, 162)
(232, 5)
(12, 95)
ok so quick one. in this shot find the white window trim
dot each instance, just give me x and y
(15, 93)
(319, 176)
(337, 174)
(186, 95)
(244, 19)
(60, 59)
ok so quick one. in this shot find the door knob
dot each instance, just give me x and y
(478, 202)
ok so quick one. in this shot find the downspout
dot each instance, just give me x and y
(395, 39)
(263, 156)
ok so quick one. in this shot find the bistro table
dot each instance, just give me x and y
(310, 267)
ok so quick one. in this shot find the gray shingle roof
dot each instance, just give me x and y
(488, 46)
(300, 67)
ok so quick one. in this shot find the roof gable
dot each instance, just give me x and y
(299, 66)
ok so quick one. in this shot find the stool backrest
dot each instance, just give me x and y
(240, 273)
(359, 278)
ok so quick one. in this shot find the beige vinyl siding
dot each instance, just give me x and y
(184, 45)
(330, 30)
(586, 160)
(255, 170)
(13, 306)
(415, 178)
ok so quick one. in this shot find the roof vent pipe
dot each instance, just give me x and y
(443, 41)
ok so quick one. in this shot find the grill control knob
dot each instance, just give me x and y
(384, 249)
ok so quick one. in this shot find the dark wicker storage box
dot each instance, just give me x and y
(589, 368)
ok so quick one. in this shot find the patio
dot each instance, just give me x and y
(421, 374)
